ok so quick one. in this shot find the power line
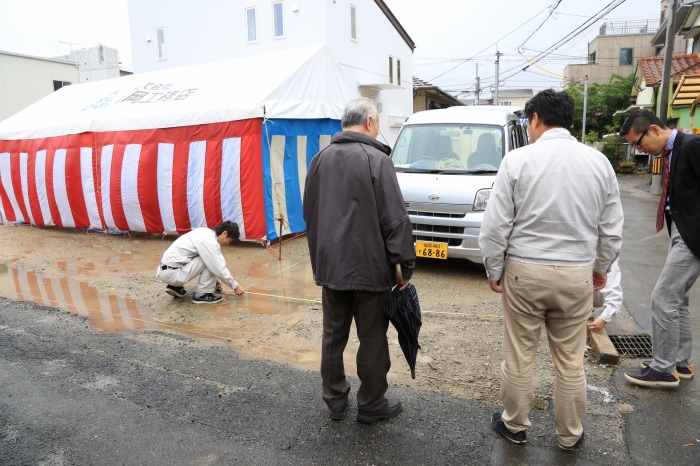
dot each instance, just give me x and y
(541, 24)
(488, 46)
(576, 32)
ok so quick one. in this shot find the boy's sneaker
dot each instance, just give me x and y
(575, 446)
(683, 372)
(207, 298)
(500, 427)
(176, 291)
(649, 377)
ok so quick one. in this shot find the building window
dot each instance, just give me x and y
(160, 33)
(353, 22)
(506, 103)
(591, 58)
(625, 56)
(398, 71)
(391, 69)
(278, 19)
(657, 51)
(251, 25)
(59, 84)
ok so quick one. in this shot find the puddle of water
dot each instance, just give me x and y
(106, 312)
(230, 322)
(278, 292)
(109, 312)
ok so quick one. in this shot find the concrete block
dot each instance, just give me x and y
(603, 349)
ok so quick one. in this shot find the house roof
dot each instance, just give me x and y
(418, 83)
(652, 68)
(54, 60)
(395, 22)
(429, 88)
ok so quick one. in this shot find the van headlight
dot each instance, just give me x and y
(481, 199)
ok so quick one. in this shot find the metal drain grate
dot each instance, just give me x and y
(632, 346)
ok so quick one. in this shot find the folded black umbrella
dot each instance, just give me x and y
(403, 310)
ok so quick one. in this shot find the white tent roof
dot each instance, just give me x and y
(297, 83)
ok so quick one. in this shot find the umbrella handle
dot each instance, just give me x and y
(399, 274)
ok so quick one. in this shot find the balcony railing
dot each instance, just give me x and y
(620, 28)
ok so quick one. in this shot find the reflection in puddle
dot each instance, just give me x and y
(106, 312)
(258, 323)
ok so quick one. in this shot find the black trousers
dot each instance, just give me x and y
(373, 361)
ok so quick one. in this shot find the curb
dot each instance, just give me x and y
(603, 349)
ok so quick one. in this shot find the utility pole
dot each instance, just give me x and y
(585, 104)
(478, 86)
(668, 58)
(495, 100)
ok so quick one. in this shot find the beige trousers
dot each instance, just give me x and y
(561, 298)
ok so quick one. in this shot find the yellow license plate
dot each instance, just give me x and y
(431, 250)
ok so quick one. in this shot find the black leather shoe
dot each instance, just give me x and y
(338, 415)
(391, 409)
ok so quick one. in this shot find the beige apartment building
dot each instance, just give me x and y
(615, 51)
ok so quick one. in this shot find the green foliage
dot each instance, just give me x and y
(591, 137)
(603, 101)
(615, 150)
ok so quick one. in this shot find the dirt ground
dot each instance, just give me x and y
(280, 316)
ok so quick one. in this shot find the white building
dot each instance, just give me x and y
(96, 63)
(363, 36)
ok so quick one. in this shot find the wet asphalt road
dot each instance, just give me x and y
(664, 427)
(74, 395)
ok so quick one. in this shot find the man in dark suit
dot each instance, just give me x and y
(679, 208)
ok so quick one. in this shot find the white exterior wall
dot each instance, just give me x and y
(24, 80)
(96, 63)
(366, 61)
(211, 30)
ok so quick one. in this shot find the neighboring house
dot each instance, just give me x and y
(25, 79)
(427, 96)
(96, 63)
(363, 36)
(514, 97)
(647, 84)
(686, 24)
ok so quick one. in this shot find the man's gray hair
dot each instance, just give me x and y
(356, 112)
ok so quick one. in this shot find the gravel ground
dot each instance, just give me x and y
(462, 325)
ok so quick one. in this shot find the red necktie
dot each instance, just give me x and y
(664, 186)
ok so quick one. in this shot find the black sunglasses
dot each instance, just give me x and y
(639, 141)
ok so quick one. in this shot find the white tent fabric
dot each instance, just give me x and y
(303, 83)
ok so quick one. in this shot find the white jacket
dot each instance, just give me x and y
(554, 202)
(200, 242)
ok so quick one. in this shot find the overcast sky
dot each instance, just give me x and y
(452, 37)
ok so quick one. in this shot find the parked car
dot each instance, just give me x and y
(446, 161)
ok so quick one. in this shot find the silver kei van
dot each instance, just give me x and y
(446, 162)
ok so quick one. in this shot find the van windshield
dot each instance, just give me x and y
(448, 148)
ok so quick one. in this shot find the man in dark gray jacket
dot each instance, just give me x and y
(358, 232)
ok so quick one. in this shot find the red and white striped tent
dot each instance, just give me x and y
(167, 151)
